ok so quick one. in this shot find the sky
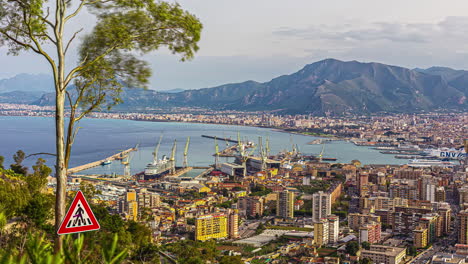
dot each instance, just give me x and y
(262, 39)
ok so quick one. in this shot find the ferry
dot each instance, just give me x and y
(429, 163)
(447, 153)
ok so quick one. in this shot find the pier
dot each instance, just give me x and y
(220, 138)
(99, 162)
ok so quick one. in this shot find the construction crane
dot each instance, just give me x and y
(186, 152)
(216, 153)
(172, 159)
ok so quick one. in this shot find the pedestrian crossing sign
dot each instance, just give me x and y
(79, 217)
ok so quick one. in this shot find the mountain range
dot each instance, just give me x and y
(327, 86)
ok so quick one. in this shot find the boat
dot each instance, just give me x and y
(447, 153)
(106, 162)
(429, 163)
(158, 167)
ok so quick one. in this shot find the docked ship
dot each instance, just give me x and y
(429, 163)
(447, 153)
(159, 167)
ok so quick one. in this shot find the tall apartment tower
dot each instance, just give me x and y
(333, 228)
(321, 206)
(463, 229)
(129, 205)
(285, 204)
(321, 232)
(233, 223)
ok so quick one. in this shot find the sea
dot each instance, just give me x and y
(101, 138)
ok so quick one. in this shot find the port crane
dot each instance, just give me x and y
(126, 164)
(263, 155)
(216, 153)
(172, 159)
(320, 156)
(186, 152)
(156, 149)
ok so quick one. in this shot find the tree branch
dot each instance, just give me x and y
(71, 40)
(40, 153)
(78, 9)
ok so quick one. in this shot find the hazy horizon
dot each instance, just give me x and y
(261, 40)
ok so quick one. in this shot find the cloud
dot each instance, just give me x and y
(451, 28)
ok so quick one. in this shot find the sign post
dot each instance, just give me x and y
(79, 217)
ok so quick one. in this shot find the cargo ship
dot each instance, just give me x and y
(159, 167)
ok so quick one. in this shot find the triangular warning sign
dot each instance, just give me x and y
(79, 217)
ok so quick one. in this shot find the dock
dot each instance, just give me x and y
(179, 172)
(228, 152)
(99, 162)
(220, 138)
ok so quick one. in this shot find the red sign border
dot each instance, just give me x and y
(63, 230)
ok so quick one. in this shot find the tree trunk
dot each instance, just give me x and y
(60, 168)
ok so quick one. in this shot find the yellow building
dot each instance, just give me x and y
(420, 237)
(211, 226)
(132, 205)
(285, 204)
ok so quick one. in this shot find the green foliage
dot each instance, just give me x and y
(190, 221)
(147, 253)
(18, 167)
(352, 248)
(188, 251)
(39, 250)
(411, 251)
(226, 204)
(365, 245)
(315, 186)
(231, 260)
(365, 261)
(2, 159)
(259, 190)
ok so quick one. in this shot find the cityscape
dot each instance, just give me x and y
(341, 161)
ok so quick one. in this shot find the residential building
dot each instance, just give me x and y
(321, 232)
(211, 226)
(321, 206)
(370, 232)
(233, 223)
(356, 220)
(285, 204)
(128, 206)
(420, 237)
(384, 254)
(440, 195)
(250, 206)
(463, 227)
(333, 228)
